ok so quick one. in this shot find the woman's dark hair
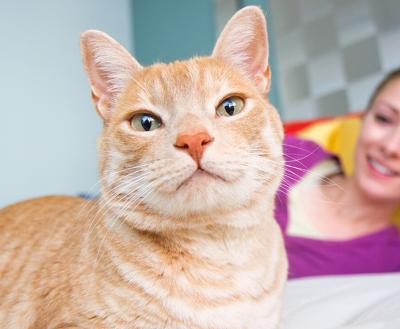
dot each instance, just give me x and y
(388, 78)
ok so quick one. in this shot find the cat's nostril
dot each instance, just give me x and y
(194, 144)
(206, 139)
(192, 140)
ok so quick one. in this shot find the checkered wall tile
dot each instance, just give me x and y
(332, 53)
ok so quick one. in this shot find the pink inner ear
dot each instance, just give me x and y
(101, 94)
(244, 44)
(258, 52)
(109, 67)
(99, 81)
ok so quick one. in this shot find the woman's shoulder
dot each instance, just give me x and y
(295, 147)
(300, 155)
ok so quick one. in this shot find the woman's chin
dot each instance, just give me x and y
(378, 192)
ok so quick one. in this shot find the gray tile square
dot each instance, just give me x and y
(320, 36)
(360, 91)
(290, 49)
(326, 73)
(349, 12)
(361, 59)
(389, 49)
(312, 9)
(353, 20)
(386, 14)
(333, 104)
(304, 109)
(285, 16)
(296, 85)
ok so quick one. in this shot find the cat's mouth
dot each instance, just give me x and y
(201, 175)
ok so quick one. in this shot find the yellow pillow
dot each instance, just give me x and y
(339, 135)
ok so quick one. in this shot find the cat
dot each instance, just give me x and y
(182, 235)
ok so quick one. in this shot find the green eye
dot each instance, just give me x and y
(230, 106)
(145, 122)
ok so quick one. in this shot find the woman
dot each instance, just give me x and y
(337, 224)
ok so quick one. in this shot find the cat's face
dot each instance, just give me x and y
(194, 137)
(142, 161)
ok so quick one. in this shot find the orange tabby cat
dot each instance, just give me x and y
(183, 235)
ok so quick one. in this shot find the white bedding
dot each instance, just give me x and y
(343, 302)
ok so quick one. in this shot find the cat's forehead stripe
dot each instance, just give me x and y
(143, 97)
(175, 83)
(193, 70)
(158, 89)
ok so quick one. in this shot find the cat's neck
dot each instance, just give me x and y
(190, 232)
(211, 246)
(246, 217)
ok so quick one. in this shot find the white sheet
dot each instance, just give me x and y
(343, 302)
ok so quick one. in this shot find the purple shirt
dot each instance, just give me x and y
(372, 253)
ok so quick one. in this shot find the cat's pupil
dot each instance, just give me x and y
(229, 106)
(146, 122)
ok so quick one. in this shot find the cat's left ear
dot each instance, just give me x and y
(244, 44)
(109, 67)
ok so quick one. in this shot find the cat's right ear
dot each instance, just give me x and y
(244, 44)
(109, 67)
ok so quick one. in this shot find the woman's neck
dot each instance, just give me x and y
(356, 207)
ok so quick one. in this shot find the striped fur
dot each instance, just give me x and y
(164, 246)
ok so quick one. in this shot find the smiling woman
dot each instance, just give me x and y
(378, 148)
(335, 223)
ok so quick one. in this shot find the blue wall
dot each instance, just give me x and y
(48, 122)
(169, 30)
(177, 29)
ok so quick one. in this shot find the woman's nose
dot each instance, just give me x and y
(392, 144)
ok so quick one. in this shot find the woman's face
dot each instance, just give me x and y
(377, 156)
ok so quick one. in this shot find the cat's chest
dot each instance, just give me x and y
(212, 288)
(176, 314)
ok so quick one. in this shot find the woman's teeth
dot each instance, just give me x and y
(381, 168)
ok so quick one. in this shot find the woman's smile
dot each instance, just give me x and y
(380, 169)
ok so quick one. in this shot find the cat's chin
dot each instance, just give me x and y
(205, 194)
(200, 178)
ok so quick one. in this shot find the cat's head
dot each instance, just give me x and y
(194, 137)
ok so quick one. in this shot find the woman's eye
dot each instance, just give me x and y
(145, 122)
(382, 118)
(230, 106)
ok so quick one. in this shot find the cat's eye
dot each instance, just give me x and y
(230, 106)
(145, 122)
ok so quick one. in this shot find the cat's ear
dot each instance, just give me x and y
(109, 67)
(244, 44)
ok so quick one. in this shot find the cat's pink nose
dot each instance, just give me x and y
(194, 144)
